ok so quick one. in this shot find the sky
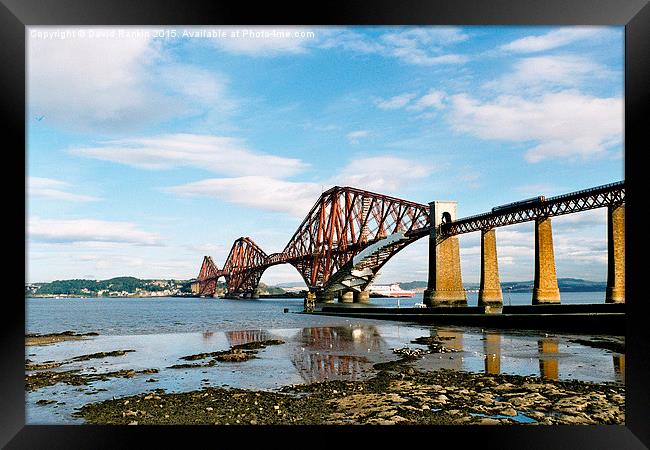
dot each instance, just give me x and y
(148, 148)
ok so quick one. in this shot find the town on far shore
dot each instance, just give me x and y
(135, 287)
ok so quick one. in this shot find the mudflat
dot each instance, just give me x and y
(51, 338)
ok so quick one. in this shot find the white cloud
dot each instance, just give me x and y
(565, 124)
(396, 102)
(215, 153)
(419, 46)
(382, 174)
(354, 136)
(88, 230)
(194, 84)
(545, 72)
(115, 83)
(553, 39)
(258, 192)
(54, 189)
(433, 99)
(92, 82)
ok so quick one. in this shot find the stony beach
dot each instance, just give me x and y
(399, 394)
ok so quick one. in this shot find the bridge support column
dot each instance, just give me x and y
(545, 289)
(324, 297)
(615, 254)
(489, 293)
(310, 301)
(445, 285)
(362, 297)
(346, 296)
(255, 294)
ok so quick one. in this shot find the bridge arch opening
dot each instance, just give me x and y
(580, 243)
(283, 276)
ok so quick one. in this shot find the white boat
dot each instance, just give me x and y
(391, 290)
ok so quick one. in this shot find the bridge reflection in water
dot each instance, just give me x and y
(619, 368)
(349, 352)
(336, 352)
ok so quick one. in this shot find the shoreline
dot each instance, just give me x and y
(342, 384)
(398, 394)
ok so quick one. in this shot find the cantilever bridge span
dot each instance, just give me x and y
(343, 222)
(349, 234)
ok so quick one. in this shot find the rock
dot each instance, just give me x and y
(489, 421)
(509, 412)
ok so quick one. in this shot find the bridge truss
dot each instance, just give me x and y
(349, 234)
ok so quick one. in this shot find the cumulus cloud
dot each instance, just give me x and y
(89, 230)
(55, 189)
(215, 153)
(564, 124)
(260, 192)
(553, 39)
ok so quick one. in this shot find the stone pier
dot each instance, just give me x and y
(310, 301)
(545, 289)
(346, 296)
(362, 297)
(324, 297)
(489, 293)
(445, 286)
(615, 254)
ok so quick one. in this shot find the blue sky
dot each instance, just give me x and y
(151, 147)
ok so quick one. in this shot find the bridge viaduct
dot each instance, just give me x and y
(349, 234)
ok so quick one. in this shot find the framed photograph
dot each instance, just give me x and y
(408, 216)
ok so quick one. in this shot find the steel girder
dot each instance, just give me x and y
(597, 197)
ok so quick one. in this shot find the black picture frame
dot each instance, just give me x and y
(16, 15)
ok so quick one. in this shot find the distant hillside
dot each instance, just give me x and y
(124, 286)
(565, 285)
(113, 286)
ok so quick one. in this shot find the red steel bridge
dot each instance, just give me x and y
(349, 234)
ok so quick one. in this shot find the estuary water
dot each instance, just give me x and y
(160, 331)
(152, 315)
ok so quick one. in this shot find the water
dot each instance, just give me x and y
(317, 348)
(124, 316)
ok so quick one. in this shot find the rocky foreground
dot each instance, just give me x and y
(398, 394)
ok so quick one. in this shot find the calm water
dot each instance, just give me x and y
(317, 348)
(124, 316)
